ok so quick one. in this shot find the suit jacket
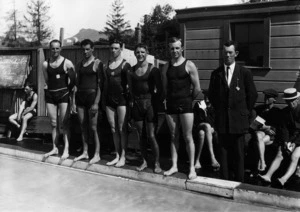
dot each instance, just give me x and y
(232, 104)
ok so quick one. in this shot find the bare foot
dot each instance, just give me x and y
(264, 177)
(171, 171)
(261, 166)
(157, 168)
(215, 165)
(54, 151)
(192, 174)
(95, 159)
(65, 155)
(19, 138)
(113, 162)
(281, 181)
(120, 163)
(82, 156)
(197, 165)
(142, 167)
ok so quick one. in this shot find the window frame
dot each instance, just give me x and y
(266, 40)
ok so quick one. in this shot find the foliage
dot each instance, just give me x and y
(13, 36)
(37, 18)
(116, 26)
(158, 27)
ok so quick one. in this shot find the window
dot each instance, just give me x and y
(251, 42)
(253, 38)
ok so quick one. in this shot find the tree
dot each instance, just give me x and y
(158, 26)
(13, 36)
(37, 19)
(117, 27)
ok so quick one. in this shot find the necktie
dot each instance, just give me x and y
(227, 73)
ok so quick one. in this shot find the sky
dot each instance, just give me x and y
(73, 15)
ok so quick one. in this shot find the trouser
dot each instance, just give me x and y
(232, 156)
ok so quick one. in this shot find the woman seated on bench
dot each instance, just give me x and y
(26, 111)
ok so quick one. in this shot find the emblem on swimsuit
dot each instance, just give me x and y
(112, 73)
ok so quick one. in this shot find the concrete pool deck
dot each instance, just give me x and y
(236, 191)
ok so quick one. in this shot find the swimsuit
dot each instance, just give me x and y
(58, 91)
(179, 99)
(87, 85)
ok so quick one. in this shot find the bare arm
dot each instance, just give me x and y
(165, 80)
(44, 68)
(99, 69)
(32, 106)
(21, 109)
(193, 72)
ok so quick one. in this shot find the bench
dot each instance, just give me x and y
(39, 125)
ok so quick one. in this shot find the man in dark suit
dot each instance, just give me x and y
(232, 94)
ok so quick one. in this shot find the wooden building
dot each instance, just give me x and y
(268, 34)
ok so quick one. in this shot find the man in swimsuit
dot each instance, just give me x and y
(87, 98)
(115, 89)
(59, 82)
(141, 86)
(26, 111)
(180, 75)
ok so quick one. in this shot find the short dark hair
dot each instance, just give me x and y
(30, 85)
(87, 42)
(55, 41)
(141, 45)
(175, 39)
(232, 43)
(116, 41)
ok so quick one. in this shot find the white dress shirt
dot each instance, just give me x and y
(231, 70)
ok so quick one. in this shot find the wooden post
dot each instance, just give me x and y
(41, 109)
(138, 34)
(61, 35)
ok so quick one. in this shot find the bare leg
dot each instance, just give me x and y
(52, 112)
(292, 167)
(83, 125)
(297, 173)
(24, 125)
(187, 120)
(209, 138)
(262, 140)
(93, 118)
(13, 119)
(201, 137)
(143, 146)
(274, 166)
(154, 145)
(64, 117)
(112, 121)
(173, 123)
(122, 128)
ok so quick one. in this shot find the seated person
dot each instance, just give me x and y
(289, 135)
(26, 111)
(266, 133)
(203, 130)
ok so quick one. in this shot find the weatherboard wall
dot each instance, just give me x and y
(204, 30)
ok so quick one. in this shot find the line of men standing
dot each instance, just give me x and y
(231, 91)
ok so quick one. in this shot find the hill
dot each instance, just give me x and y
(91, 34)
